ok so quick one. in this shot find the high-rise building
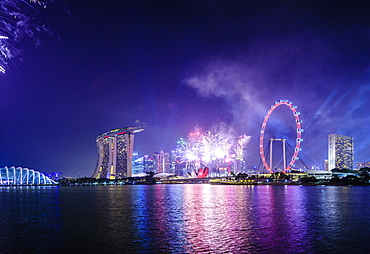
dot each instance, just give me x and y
(137, 163)
(173, 162)
(115, 150)
(162, 162)
(326, 164)
(148, 164)
(364, 164)
(340, 152)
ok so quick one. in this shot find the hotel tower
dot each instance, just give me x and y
(115, 150)
(340, 150)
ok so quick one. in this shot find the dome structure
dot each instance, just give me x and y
(23, 176)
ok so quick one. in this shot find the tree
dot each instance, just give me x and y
(336, 170)
(310, 179)
(365, 170)
(335, 179)
(241, 176)
(351, 179)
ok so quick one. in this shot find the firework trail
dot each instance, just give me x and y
(215, 147)
(239, 148)
(189, 150)
(18, 20)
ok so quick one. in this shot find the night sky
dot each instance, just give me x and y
(173, 64)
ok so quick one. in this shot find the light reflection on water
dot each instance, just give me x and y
(185, 219)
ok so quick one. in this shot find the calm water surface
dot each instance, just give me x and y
(194, 218)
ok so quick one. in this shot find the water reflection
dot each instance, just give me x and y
(245, 218)
(159, 216)
(206, 218)
(185, 219)
(214, 220)
(30, 218)
(280, 218)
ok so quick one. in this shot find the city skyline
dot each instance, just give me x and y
(339, 156)
(169, 66)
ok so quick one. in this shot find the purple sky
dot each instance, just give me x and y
(176, 64)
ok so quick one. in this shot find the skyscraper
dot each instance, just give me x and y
(340, 152)
(137, 163)
(162, 162)
(115, 150)
(149, 164)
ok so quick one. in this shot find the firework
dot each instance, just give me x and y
(243, 140)
(18, 20)
(213, 148)
(189, 149)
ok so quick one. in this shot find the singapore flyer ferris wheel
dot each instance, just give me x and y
(289, 133)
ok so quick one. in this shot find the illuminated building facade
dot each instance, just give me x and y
(137, 163)
(162, 162)
(340, 152)
(148, 164)
(23, 176)
(364, 164)
(173, 162)
(115, 149)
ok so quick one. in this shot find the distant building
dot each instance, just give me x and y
(319, 174)
(137, 163)
(162, 161)
(238, 165)
(340, 151)
(173, 162)
(157, 163)
(115, 149)
(148, 164)
(135, 156)
(365, 164)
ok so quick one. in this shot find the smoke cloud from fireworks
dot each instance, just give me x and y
(286, 52)
(236, 83)
(327, 90)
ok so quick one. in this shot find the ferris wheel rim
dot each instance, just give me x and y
(298, 131)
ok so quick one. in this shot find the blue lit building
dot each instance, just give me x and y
(149, 165)
(137, 164)
(23, 176)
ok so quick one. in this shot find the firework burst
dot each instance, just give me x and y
(213, 148)
(18, 20)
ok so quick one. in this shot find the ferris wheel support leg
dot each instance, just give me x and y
(271, 141)
(284, 155)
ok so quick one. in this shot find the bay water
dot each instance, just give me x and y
(185, 218)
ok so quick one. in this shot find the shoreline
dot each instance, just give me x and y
(291, 183)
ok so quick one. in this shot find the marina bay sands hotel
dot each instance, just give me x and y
(115, 150)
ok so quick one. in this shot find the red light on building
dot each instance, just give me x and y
(203, 172)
